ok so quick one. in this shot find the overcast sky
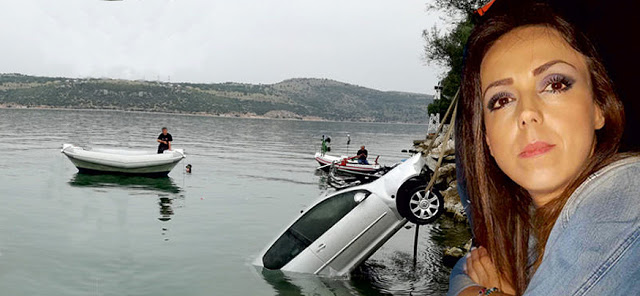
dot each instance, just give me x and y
(372, 43)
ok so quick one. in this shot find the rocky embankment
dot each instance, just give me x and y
(454, 211)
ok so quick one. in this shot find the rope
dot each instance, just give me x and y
(436, 171)
(444, 140)
(440, 157)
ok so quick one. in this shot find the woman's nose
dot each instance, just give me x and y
(530, 113)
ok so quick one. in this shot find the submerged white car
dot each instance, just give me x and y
(341, 230)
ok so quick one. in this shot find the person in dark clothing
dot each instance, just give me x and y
(165, 141)
(362, 155)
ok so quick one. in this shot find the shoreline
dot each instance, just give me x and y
(199, 114)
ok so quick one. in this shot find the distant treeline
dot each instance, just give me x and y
(293, 98)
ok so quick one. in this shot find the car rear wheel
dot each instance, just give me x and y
(420, 206)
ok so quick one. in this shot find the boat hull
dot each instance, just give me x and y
(86, 167)
(89, 162)
(348, 167)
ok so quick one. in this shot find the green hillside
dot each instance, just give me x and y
(293, 98)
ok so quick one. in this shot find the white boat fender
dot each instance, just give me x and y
(65, 147)
(181, 151)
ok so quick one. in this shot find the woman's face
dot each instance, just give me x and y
(539, 112)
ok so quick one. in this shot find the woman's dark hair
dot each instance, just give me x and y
(502, 214)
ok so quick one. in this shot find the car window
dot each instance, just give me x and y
(308, 228)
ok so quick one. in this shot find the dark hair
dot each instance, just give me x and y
(501, 209)
(164, 128)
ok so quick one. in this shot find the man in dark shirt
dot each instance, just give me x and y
(362, 155)
(165, 141)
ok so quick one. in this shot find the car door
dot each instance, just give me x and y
(353, 236)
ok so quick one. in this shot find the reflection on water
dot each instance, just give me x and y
(168, 198)
(448, 232)
(305, 284)
(167, 204)
(132, 182)
(396, 274)
(165, 208)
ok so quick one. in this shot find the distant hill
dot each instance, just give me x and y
(303, 98)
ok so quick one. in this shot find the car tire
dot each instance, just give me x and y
(416, 206)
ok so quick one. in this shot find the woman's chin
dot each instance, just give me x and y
(543, 188)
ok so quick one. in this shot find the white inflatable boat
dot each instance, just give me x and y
(118, 161)
(345, 164)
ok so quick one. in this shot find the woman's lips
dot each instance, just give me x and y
(535, 149)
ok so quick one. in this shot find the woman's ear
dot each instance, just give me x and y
(598, 118)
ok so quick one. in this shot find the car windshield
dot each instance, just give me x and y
(308, 228)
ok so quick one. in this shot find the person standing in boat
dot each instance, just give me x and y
(165, 141)
(325, 144)
(362, 155)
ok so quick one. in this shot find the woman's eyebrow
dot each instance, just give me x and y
(547, 65)
(505, 81)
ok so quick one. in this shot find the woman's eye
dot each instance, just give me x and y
(557, 83)
(499, 100)
(557, 86)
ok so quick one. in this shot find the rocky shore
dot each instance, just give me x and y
(454, 216)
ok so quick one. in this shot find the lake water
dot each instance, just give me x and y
(63, 233)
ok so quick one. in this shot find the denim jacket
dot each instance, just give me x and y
(594, 246)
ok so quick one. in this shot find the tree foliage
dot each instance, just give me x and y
(457, 8)
(294, 98)
(447, 48)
